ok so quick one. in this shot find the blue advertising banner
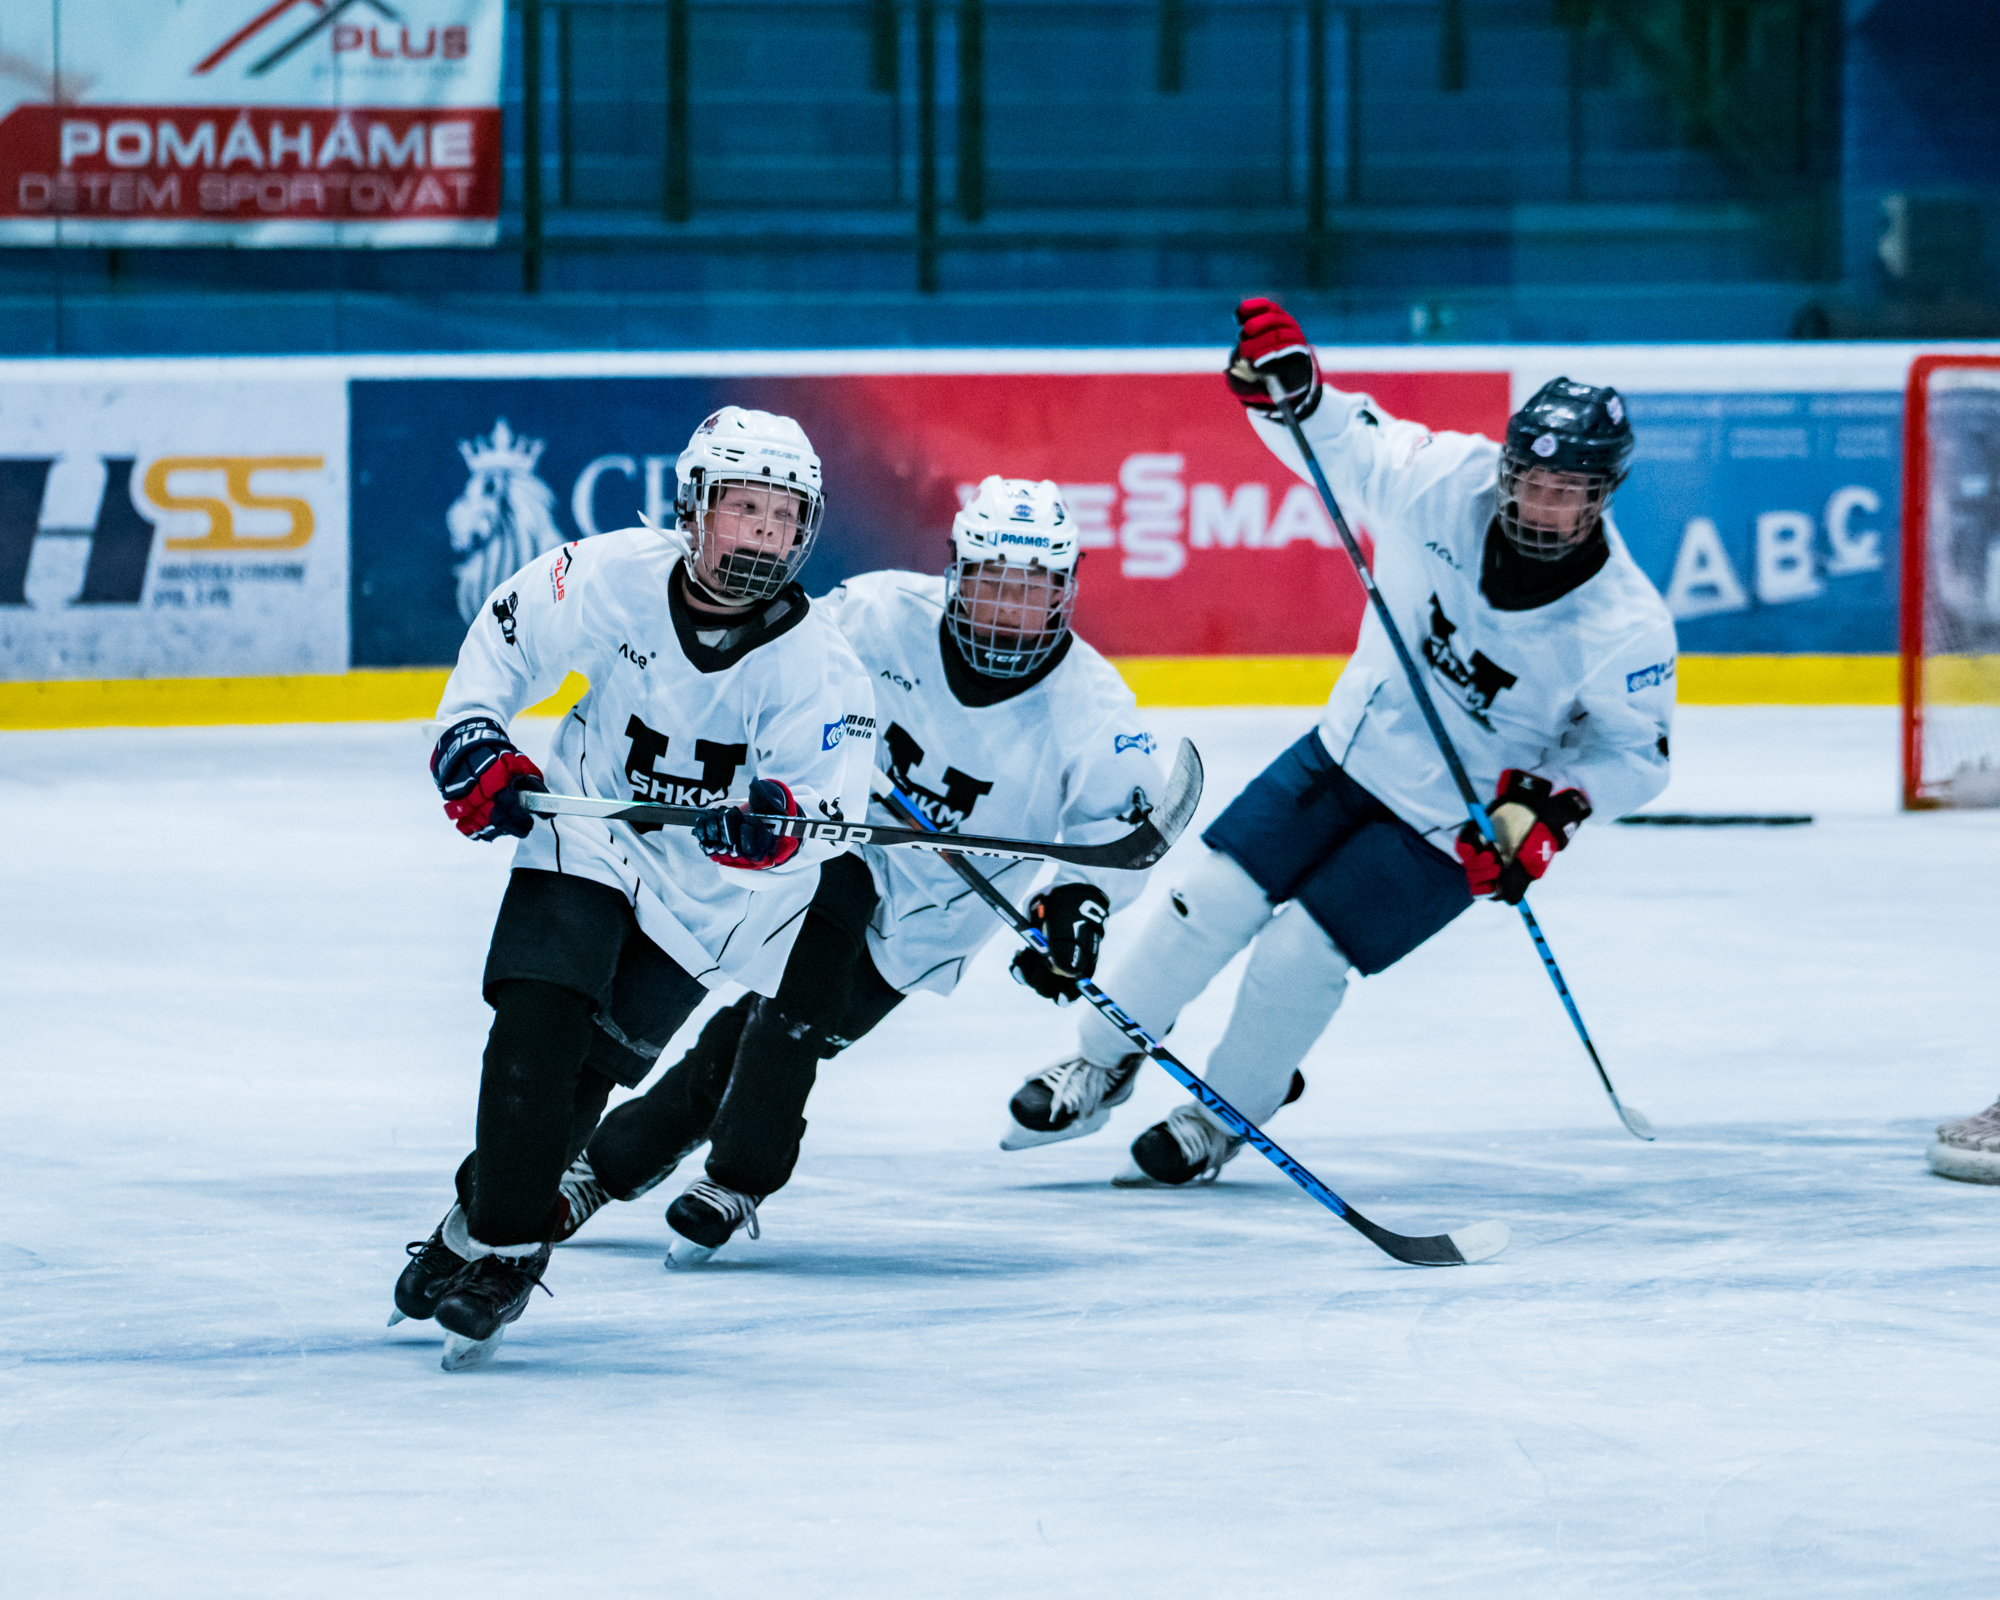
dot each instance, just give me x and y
(459, 482)
(1769, 521)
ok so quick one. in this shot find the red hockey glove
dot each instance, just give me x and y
(1071, 917)
(1532, 820)
(480, 773)
(1272, 342)
(735, 838)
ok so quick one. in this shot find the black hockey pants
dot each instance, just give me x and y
(567, 956)
(744, 1085)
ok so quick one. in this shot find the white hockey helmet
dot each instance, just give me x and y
(748, 552)
(1011, 586)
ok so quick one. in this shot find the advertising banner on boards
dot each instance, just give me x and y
(172, 528)
(1197, 540)
(1769, 521)
(251, 122)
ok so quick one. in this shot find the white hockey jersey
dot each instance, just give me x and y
(680, 713)
(1067, 759)
(1580, 690)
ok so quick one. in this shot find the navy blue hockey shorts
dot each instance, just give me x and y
(1305, 831)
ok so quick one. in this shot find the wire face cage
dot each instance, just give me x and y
(751, 535)
(1007, 618)
(1951, 583)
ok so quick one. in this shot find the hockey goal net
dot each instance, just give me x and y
(1951, 582)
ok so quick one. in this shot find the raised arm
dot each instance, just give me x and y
(1375, 464)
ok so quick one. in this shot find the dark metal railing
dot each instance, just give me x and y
(941, 101)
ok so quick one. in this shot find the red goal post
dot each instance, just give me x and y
(1950, 613)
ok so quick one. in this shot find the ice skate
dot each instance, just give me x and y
(1186, 1148)
(491, 1292)
(1968, 1148)
(705, 1217)
(582, 1197)
(1072, 1098)
(434, 1263)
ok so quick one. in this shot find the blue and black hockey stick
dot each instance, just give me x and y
(1455, 1249)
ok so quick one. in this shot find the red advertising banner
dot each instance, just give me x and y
(1198, 540)
(298, 122)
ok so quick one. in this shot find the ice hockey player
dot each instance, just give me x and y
(994, 716)
(1551, 660)
(1968, 1148)
(713, 683)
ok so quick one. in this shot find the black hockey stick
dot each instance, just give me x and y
(1475, 1243)
(1141, 847)
(1635, 1120)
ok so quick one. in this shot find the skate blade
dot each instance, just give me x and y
(1133, 1176)
(464, 1355)
(1967, 1166)
(685, 1253)
(396, 1317)
(1020, 1138)
(1481, 1241)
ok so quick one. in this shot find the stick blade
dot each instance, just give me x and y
(1176, 807)
(1454, 1249)
(1637, 1123)
(1480, 1242)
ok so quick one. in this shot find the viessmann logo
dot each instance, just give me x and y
(83, 530)
(274, 35)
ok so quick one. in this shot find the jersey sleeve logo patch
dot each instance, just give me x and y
(503, 612)
(853, 725)
(1142, 742)
(559, 572)
(1649, 678)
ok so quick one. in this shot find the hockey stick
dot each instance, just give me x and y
(1475, 1243)
(1635, 1120)
(1141, 847)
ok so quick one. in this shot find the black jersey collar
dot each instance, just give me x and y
(711, 646)
(1514, 582)
(975, 689)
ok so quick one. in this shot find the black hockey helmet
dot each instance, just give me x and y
(1581, 440)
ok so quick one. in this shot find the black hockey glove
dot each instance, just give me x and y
(478, 771)
(1070, 916)
(733, 837)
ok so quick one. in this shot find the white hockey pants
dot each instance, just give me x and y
(1295, 982)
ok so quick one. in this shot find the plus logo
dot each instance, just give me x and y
(1479, 683)
(719, 765)
(946, 810)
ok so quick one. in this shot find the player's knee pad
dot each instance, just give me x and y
(540, 1030)
(774, 1030)
(1216, 904)
(1213, 911)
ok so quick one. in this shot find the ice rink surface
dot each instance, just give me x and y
(1758, 1358)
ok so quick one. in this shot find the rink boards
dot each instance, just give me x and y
(257, 540)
